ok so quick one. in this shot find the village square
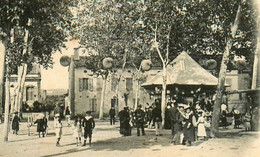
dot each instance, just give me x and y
(129, 78)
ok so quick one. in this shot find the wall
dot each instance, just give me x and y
(238, 82)
(83, 99)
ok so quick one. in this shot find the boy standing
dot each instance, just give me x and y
(58, 128)
(139, 114)
(89, 125)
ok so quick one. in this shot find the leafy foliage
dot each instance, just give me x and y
(48, 29)
(116, 27)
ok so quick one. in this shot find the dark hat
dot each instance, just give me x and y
(126, 107)
(15, 112)
(139, 106)
(88, 112)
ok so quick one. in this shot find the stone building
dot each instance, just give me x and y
(237, 81)
(32, 87)
(85, 89)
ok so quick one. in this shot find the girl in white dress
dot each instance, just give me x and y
(78, 130)
(201, 126)
(58, 128)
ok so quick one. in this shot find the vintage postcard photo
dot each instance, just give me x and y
(134, 78)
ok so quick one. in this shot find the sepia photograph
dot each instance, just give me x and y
(132, 78)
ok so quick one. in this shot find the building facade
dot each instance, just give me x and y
(85, 89)
(237, 81)
(32, 87)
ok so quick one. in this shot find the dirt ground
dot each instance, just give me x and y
(108, 142)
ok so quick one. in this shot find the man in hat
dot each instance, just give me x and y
(89, 125)
(178, 122)
(139, 114)
(157, 118)
(15, 123)
(112, 113)
(172, 113)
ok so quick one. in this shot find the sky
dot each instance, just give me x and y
(57, 77)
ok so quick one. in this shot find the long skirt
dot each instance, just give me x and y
(125, 129)
(189, 134)
(201, 130)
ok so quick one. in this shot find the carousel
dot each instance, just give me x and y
(187, 82)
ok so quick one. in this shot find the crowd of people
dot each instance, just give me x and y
(187, 122)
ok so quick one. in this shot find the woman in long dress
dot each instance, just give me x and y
(15, 123)
(188, 128)
(201, 126)
(124, 117)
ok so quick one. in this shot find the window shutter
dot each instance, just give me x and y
(85, 83)
(80, 84)
(90, 84)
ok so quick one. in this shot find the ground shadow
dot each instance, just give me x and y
(69, 151)
(230, 134)
(126, 143)
(28, 139)
(135, 142)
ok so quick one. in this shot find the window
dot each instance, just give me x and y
(29, 93)
(113, 84)
(83, 84)
(129, 84)
(93, 104)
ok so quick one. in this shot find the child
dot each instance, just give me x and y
(58, 128)
(247, 120)
(78, 130)
(15, 123)
(40, 124)
(207, 125)
(45, 125)
(201, 126)
(89, 125)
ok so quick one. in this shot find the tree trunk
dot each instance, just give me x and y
(256, 4)
(2, 71)
(254, 77)
(22, 87)
(163, 102)
(103, 92)
(117, 97)
(137, 94)
(222, 76)
(22, 73)
(7, 102)
(72, 86)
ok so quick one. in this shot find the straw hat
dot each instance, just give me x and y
(57, 115)
(236, 112)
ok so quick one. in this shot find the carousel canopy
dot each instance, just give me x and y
(183, 70)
